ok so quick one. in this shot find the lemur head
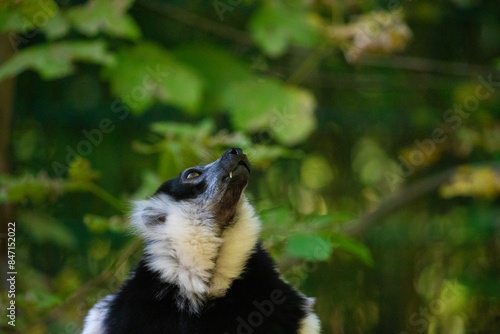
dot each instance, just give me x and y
(215, 188)
(199, 228)
(208, 195)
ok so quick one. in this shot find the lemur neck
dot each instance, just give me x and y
(238, 243)
(202, 262)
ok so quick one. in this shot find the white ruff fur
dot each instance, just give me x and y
(310, 325)
(188, 249)
(95, 318)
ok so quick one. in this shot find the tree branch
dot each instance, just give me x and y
(197, 21)
(429, 65)
(401, 198)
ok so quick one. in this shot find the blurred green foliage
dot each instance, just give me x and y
(356, 116)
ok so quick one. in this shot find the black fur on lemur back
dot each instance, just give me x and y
(204, 270)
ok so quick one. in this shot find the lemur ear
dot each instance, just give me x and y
(152, 217)
(148, 214)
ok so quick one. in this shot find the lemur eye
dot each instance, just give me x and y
(192, 175)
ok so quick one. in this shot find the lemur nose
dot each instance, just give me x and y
(235, 151)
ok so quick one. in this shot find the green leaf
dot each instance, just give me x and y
(42, 299)
(285, 113)
(146, 73)
(36, 189)
(263, 155)
(99, 224)
(316, 172)
(353, 247)
(184, 130)
(81, 172)
(309, 247)
(55, 60)
(23, 16)
(106, 16)
(278, 25)
(218, 68)
(276, 217)
(11, 20)
(96, 224)
(56, 28)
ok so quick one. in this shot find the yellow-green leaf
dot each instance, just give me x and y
(278, 25)
(56, 60)
(106, 16)
(146, 73)
(285, 113)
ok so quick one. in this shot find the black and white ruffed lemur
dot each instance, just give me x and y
(204, 270)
